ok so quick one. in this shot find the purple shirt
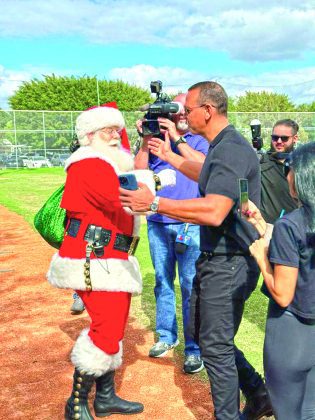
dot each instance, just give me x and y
(185, 188)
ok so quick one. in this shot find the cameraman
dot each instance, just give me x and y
(275, 197)
(163, 232)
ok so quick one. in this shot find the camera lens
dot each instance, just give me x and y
(123, 180)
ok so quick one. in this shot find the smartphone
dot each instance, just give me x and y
(128, 181)
(150, 127)
(243, 191)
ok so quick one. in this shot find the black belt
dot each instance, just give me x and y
(100, 237)
(224, 254)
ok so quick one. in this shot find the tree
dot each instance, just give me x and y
(77, 94)
(263, 102)
(306, 107)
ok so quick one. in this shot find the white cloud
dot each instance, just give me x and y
(270, 30)
(9, 82)
(174, 79)
(298, 85)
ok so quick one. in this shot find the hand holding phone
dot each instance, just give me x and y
(128, 181)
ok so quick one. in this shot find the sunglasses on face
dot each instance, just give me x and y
(189, 110)
(284, 139)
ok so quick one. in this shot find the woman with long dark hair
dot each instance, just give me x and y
(288, 269)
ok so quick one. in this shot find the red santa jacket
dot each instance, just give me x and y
(91, 195)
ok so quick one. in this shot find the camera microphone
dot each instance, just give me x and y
(180, 108)
(144, 108)
(257, 141)
(255, 126)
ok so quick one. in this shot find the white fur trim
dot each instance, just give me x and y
(112, 274)
(146, 177)
(136, 224)
(86, 152)
(91, 359)
(95, 119)
(167, 178)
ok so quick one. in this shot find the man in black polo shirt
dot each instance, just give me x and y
(226, 274)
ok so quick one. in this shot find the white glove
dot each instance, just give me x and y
(167, 178)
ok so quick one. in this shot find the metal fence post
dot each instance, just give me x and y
(44, 134)
(15, 139)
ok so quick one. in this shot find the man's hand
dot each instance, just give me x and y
(138, 200)
(170, 128)
(161, 149)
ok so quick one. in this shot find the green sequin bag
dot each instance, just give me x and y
(50, 220)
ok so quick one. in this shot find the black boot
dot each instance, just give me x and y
(77, 405)
(257, 405)
(107, 402)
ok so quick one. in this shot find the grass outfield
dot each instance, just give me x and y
(25, 190)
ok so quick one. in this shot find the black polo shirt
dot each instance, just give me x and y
(230, 157)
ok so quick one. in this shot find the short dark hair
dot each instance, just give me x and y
(214, 93)
(288, 123)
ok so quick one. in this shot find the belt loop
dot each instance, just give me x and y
(133, 245)
(87, 276)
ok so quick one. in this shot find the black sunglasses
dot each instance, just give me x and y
(284, 139)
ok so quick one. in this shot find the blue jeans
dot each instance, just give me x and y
(164, 258)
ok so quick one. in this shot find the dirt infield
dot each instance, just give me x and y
(37, 333)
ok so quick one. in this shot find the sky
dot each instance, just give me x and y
(244, 45)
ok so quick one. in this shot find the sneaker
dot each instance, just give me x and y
(193, 364)
(78, 305)
(160, 349)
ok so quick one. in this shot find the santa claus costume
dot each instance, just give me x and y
(96, 260)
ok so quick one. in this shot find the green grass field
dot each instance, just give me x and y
(25, 190)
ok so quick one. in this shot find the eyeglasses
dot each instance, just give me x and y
(284, 139)
(111, 131)
(189, 110)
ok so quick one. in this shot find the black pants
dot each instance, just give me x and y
(289, 361)
(221, 287)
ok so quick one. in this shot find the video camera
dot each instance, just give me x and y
(257, 141)
(162, 107)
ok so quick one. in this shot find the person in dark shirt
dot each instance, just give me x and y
(226, 274)
(275, 197)
(289, 274)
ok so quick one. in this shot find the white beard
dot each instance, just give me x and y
(112, 150)
(182, 126)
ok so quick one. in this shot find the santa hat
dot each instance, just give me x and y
(95, 119)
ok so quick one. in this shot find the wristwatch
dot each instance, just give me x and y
(155, 204)
(179, 141)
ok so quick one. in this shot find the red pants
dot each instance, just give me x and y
(109, 314)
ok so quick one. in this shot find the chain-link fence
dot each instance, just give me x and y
(42, 138)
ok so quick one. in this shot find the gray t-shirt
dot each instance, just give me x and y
(230, 158)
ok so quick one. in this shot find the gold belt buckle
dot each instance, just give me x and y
(133, 245)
